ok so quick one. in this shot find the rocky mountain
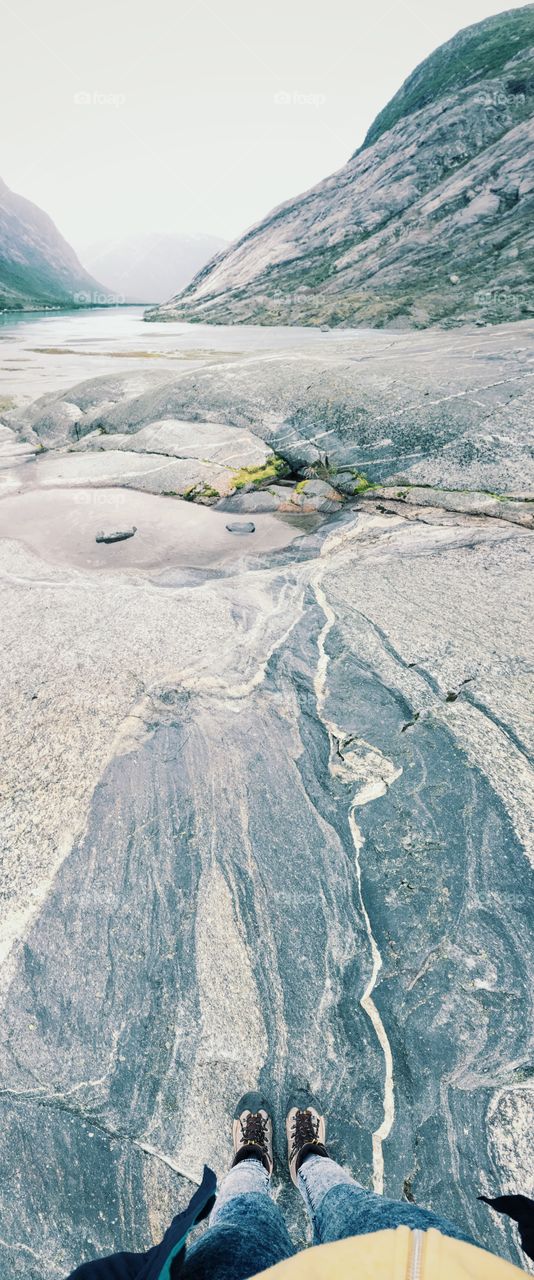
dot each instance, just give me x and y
(144, 268)
(38, 268)
(429, 222)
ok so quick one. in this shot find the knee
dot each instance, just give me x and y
(347, 1210)
(221, 1251)
(250, 1212)
(246, 1238)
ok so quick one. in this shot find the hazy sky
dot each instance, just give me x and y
(197, 115)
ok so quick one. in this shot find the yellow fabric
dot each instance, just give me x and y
(387, 1255)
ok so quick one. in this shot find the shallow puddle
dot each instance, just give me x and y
(60, 525)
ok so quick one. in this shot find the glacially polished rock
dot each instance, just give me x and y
(451, 410)
(267, 803)
(251, 840)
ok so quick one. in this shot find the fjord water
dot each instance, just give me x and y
(49, 350)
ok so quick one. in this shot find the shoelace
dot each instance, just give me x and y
(305, 1129)
(253, 1129)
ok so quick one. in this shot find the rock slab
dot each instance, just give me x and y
(220, 761)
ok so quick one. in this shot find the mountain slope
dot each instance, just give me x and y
(431, 221)
(145, 268)
(480, 52)
(37, 266)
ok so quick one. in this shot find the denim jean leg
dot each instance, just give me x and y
(339, 1207)
(242, 1179)
(316, 1177)
(246, 1232)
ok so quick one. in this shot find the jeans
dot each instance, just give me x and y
(247, 1232)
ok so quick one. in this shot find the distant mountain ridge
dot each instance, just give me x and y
(146, 268)
(38, 268)
(430, 222)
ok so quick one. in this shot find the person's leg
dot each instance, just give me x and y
(337, 1205)
(246, 1231)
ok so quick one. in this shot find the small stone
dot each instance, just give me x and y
(117, 535)
(454, 279)
(245, 526)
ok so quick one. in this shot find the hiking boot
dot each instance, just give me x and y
(305, 1128)
(253, 1131)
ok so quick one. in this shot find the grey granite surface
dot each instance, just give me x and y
(265, 825)
(267, 802)
(452, 410)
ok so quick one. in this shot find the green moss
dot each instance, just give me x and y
(361, 483)
(259, 475)
(199, 492)
(327, 472)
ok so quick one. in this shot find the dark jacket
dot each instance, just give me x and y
(157, 1262)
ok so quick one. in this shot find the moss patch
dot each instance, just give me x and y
(361, 483)
(201, 493)
(257, 476)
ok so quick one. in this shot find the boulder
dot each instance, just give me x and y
(312, 495)
(250, 501)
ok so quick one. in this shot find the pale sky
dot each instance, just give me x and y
(123, 116)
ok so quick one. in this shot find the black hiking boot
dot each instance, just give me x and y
(253, 1131)
(306, 1131)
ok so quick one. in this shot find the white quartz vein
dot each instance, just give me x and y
(381, 773)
